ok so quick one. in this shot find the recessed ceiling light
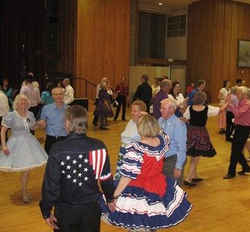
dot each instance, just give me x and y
(160, 3)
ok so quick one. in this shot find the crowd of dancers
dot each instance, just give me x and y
(146, 192)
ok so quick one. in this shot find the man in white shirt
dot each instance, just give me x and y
(69, 92)
(4, 104)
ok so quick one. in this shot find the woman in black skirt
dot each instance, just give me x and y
(198, 141)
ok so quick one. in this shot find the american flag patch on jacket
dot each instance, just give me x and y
(97, 160)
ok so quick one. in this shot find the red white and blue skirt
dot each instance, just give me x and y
(137, 208)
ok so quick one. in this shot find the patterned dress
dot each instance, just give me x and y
(198, 140)
(129, 135)
(151, 200)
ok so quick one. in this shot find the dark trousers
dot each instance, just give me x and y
(229, 124)
(96, 116)
(239, 140)
(148, 103)
(84, 218)
(34, 110)
(122, 102)
(50, 140)
(169, 166)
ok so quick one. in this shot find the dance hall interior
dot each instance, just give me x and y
(129, 41)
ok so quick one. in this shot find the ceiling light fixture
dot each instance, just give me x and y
(160, 3)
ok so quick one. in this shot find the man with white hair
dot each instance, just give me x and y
(242, 130)
(69, 91)
(177, 132)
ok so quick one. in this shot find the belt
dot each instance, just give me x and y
(56, 137)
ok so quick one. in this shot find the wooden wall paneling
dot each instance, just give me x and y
(119, 39)
(102, 41)
(126, 37)
(216, 59)
(234, 44)
(210, 35)
(122, 37)
(189, 45)
(227, 41)
(191, 36)
(110, 40)
(207, 47)
(67, 16)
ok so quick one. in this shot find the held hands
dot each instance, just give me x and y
(6, 150)
(41, 124)
(51, 221)
(177, 173)
(111, 205)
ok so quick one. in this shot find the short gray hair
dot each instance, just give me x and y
(78, 117)
(168, 101)
(166, 82)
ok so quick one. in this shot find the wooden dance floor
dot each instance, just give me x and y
(218, 205)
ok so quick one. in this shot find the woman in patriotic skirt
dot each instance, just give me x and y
(145, 199)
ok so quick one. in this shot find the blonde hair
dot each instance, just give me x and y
(35, 84)
(141, 105)
(243, 90)
(104, 83)
(148, 126)
(248, 93)
(18, 98)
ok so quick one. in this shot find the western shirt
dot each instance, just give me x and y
(177, 132)
(54, 118)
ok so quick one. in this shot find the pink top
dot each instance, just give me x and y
(30, 93)
(242, 112)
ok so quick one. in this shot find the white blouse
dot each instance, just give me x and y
(178, 100)
(4, 104)
(212, 111)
